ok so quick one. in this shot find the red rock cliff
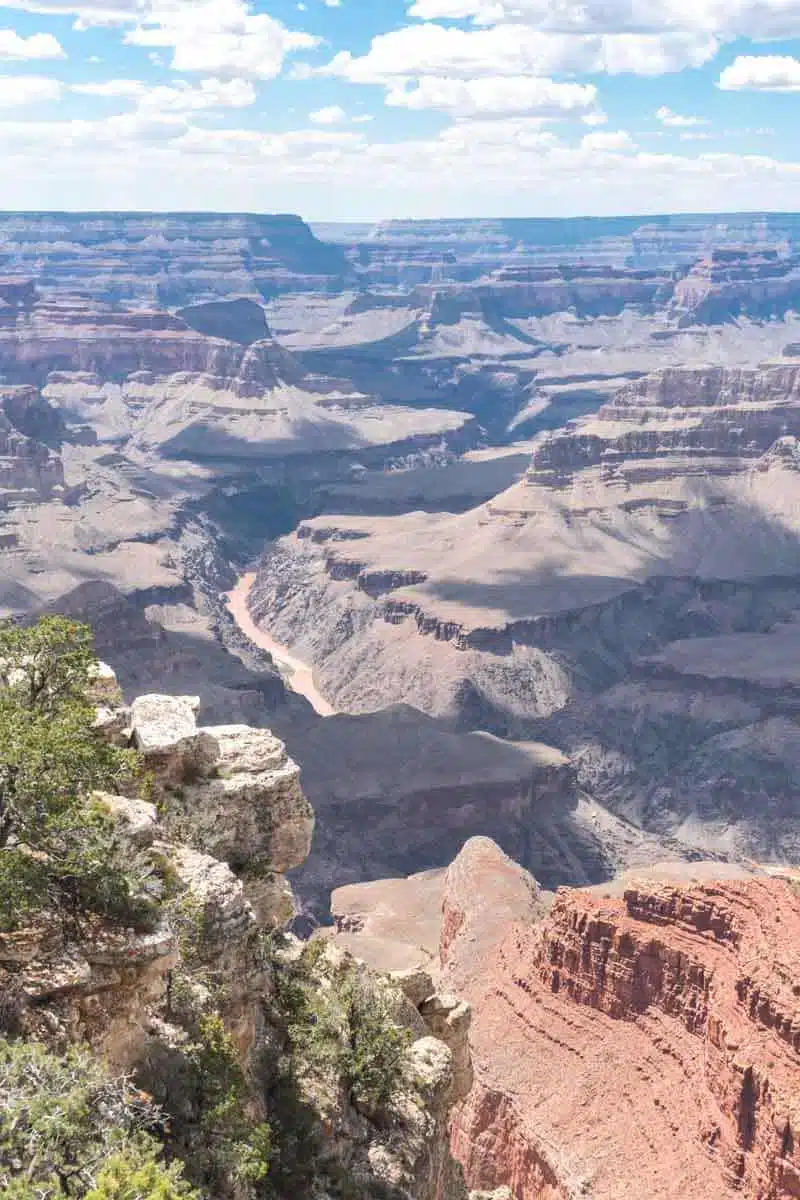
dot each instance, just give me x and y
(645, 1046)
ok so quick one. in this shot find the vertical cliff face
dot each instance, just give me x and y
(229, 820)
(651, 1041)
(30, 467)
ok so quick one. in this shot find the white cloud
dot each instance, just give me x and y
(457, 10)
(21, 49)
(179, 98)
(219, 37)
(86, 12)
(694, 135)
(762, 73)
(332, 115)
(481, 137)
(17, 91)
(257, 145)
(111, 87)
(436, 50)
(145, 160)
(675, 121)
(595, 118)
(614, 140)
(501, 95)
(757, 19)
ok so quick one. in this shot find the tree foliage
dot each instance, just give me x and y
(128, 1176)
(339, 1022)
(70, 1130)
(58, 848)
(238, 1146)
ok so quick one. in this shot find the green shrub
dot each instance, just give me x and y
(374, 1047)
(341, 1028)
(126, 1177)
(241, 1146)
(63, 1120)
(57, 847)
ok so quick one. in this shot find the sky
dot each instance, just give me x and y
(360, 110)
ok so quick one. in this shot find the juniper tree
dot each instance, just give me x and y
(58, 847)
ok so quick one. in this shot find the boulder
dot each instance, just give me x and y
(165, 731)
(138, 818)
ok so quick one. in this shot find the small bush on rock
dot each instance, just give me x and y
(241, 1145)
(66, 1125)
(127, 1177)
(339, 1023)
(58, 848)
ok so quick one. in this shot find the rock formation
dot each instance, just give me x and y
(641, 1038)
(734, 283)
(650, 550)
(170, 260)
(31, 469)
(134, 997)
(678, 1002)
(235, 790)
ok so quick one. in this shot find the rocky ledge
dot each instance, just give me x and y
(229, 817)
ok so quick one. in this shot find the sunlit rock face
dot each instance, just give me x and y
(641, 1035)
(235, 790)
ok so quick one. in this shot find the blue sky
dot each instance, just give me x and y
(366, 109)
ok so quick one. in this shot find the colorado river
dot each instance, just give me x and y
(298, 675)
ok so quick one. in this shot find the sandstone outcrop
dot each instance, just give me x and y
(641, 1038)
(230, 790)
(648, 1043)
(483, 892)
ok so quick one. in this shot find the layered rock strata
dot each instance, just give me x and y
(649, 1042)
(636, 1038)
(31, 469)
(733, 283)
(170, 259)
(581, 607)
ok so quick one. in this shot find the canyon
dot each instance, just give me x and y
(494, 526)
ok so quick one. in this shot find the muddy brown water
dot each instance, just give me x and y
(298, 675)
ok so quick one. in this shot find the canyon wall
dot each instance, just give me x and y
(630, 601)
(641, 1037)
(649, 1042)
